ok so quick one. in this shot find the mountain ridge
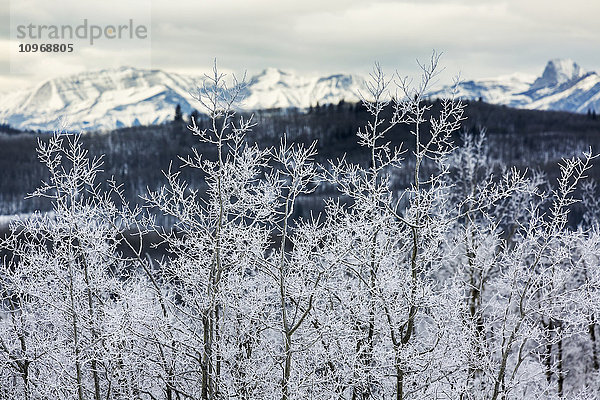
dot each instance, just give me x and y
(563, 86)
(126, 96)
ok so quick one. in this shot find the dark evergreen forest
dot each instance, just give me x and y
(137, 156)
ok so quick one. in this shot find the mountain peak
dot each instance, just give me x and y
(271, 75)
(557, 72)
(563, 86)
(274, 70)
(127, 96)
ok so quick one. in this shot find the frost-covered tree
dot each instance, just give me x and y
(296, 267)
(468, 283)
(62, 287)
(218, 242)
(398, 311)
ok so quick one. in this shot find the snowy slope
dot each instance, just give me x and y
(126, 96)
(101, 99)
(500, 90)
(275, 88)
(563, 85)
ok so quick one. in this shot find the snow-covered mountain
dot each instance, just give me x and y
(113, 98)
(563, 86)
(126, 96)
(276, 88)
(100, 99)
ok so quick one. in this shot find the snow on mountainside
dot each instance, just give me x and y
(563, 86)
(276, 88)
(491, 90)
(126, 96)
(100, 99)
(556, 73)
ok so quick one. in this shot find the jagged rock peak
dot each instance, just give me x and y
(557, 72)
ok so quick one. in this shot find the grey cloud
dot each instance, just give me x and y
(478, 37)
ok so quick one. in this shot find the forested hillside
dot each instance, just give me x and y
(136, 156)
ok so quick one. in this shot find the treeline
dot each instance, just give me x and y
(136, 156)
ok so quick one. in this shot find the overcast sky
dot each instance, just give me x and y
(478, 38)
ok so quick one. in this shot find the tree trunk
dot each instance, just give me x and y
(561, 374)
(206, 359)
(399, 383)
(548, 350)
(287, 368)
(74, 325)
(592, 331)
(94, 361)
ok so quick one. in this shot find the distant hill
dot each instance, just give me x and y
(136, 156)
(125, 97)
(563, 86)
